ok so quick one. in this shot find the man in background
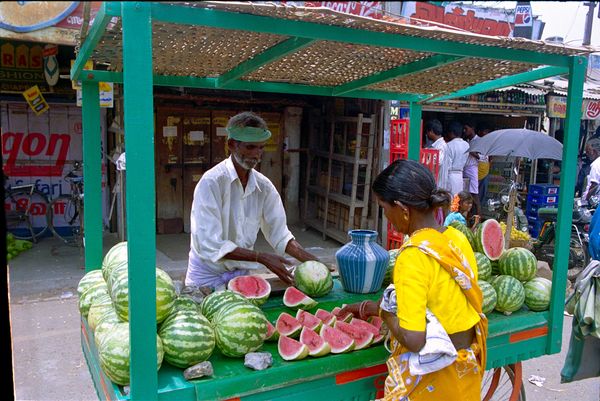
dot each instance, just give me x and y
(457, 155)
(470, 170)
(434, 132)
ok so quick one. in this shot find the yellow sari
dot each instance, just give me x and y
(461, 381)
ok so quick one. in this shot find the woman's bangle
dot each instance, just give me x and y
(256, 256)
(361, 310)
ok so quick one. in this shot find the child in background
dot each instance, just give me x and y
(461, 205)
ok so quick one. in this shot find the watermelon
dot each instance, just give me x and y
(89, 296)
(519, 263)
(165, 295)
(240, 328)
(495, 268)
(90, 278)
(484, 266)
(313, 278)
(489, 296)
(294, 298)
(338, 340)
(326, 317)
(388, 276)
(103, 330)
(537, 294)
(255, 288)
(114, 354)
(113, 258)
(183, 302)
(188, 338)
(101, 306)
(362, 338)
(510, 294)
(290, 349)
(489, 239)
(377, 322)
(288, 326)
(213, 303)
(343, 316)
(317, 346)
(466, 232)
(272, 333)
(309, 320)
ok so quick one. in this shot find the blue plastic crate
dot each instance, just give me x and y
(543, 189)
(535, 228)
(542, 200)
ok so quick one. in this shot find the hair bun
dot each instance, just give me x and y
(440, 197)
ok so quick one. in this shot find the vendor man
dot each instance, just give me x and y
(232, 201)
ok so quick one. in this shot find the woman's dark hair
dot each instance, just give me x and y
(465, 196)
(411, 183)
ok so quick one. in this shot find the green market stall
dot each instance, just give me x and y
(292, 50)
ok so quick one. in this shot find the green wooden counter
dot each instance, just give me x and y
(357, 375)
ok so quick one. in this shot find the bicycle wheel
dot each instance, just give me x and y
(28, 213)
(66, 224)
(502, 384)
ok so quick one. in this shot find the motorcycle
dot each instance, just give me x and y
(499, 209)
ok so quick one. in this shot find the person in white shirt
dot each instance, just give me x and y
(434, 132)
(471, 169)
(457, 155)
(592, 149)
(232, 201)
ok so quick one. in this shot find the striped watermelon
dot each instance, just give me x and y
(495, 267)
(313, 278)
(185, 303)
(510, 294)
(213, 303)
(240, 328)
(90, 278)
(114, 354)
(519, 263)
(466, 232)
(484, 266)
(489, 239)
(165, 295)
(255, 288)
(89, 296)
(116, 272)
(101, 308)
(489, 296)
(114, 257)
(388, 277)
(103, 330)
(188, 338)
(537, 294)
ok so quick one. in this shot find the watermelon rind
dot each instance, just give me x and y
(489, 296)
(484, 266)
(326, 317)
(538, 292)
(300, 353)
(466, 231)
(519, 263)
(296, 299)
(493, 245)
(260, 297)
(240, 328)
(213, 303)
(288, 326)
(307, 336)
(339, 341)
(313, 278)
(510, 294)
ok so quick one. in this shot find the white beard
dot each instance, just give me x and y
(246, 164)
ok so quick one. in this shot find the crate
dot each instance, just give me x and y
(535, 228)
(542, 200)
(543, 189)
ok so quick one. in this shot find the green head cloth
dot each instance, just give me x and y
(248, 134)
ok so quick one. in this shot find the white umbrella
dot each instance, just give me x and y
(518, 142)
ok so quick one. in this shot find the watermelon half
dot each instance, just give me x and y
(489, 239)
(317, 346)
(326, 317)
(294, 298)
(255, 288)
(288, 326)
(362, 338)
(339, 341)
(309, 320)
(290, 349)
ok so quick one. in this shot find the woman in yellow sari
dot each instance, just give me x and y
(435, 272)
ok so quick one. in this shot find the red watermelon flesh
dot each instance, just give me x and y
(290, 349)
(376, 321)
(365, 326)
(272, 333)
(317, 346)
(343, 316)
(288, 326)
(309, 320)
(338, 340)
(326, 317)
(294, 298)
(362, 338)
(490, 239)
(255, 288)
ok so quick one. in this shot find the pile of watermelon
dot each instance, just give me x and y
(15, 246)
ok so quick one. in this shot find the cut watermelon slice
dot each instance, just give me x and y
(309, 320)
(343, 316)
(294, 298)
(317, 346)
(376, 321)
(326, 317)
(290, 349)
(365, 326)
(338, 340)
(288, 326)
(272, 333)
(362, 338)
(255, 288)
(489, 239)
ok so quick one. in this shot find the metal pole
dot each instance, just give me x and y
(589, 20)
(414, 134)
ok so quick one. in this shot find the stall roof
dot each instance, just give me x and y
(289, 48)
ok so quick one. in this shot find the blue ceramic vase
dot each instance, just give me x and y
(362, 262)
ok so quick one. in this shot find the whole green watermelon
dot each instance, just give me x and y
(519, 263)
(313, 278)
(510, 294)
(537, 294)
(484, 266)
(489, 296)
(213, 303)
(241, 327)
(466, 231)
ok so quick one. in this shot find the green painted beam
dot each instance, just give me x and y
(138, 105)
(270, 55)
(92, 175)
(416, 67)
(503, 82)
(415, 113)
(91, 41)
(256, 23)
(568, 176)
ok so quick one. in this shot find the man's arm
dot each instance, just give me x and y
(294, 249)
(274, 263)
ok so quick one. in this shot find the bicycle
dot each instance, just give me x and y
(71, 207)
(24, 207)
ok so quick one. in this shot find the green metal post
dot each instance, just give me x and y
(141, 206)
(568, 176)
(92, 176)
(414, 134)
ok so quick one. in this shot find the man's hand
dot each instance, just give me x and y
(277, 265)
